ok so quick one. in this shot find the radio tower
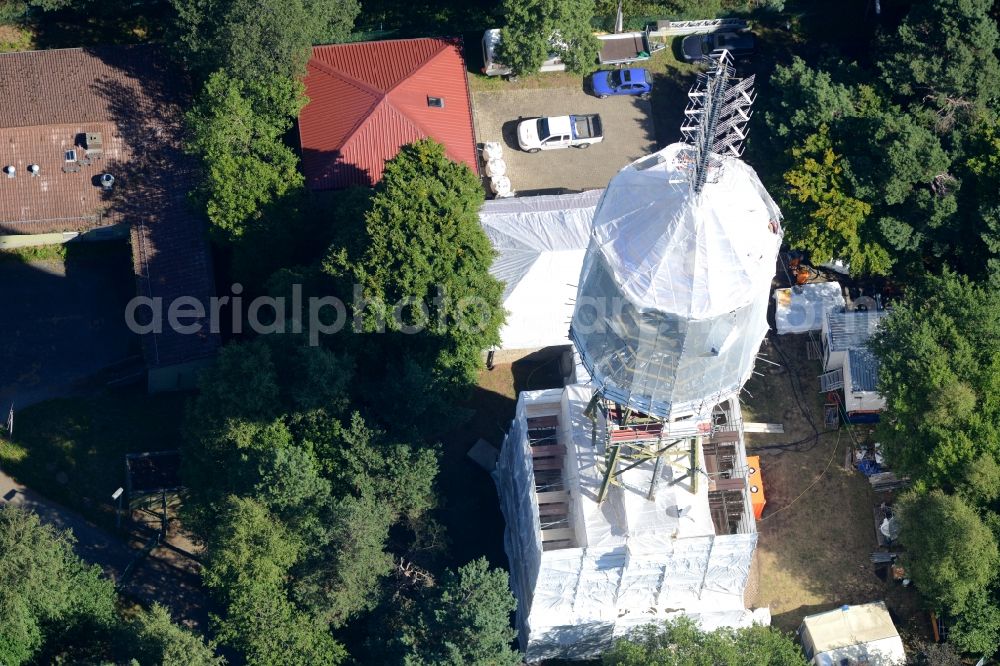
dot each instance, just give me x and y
(672, 303)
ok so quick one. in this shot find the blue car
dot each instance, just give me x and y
(621, 82)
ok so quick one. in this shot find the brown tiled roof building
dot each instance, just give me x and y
(69, 116)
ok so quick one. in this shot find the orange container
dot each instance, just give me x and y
(757, 500)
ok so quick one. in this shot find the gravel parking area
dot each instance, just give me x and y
(628, 131)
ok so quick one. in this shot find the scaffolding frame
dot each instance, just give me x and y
(632, 439)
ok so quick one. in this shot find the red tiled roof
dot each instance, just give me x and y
(133, 97)
(368, 99)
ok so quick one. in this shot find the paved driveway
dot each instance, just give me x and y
(628, 130)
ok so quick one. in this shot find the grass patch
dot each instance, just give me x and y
(26, 255)
(15, 38)
(73, 450)
(65, 252)
(483, 83)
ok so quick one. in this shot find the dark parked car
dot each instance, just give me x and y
(634, 81)
(696, 47)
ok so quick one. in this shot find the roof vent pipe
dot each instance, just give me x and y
(33, 169)
(10, 170)
(107, 181)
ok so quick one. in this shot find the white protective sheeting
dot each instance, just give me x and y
(540, 243)
(673, 296)
(802, 308)
(635, 561)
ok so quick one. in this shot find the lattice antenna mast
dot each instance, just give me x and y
(715, 118)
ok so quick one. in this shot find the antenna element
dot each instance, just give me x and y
(715, 118)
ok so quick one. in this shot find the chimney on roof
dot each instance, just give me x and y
(10, 170)
(94, 144)
(33, 169)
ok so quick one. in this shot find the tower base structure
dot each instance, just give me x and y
(671, 534)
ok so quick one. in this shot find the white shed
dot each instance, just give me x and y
(540, 243)
(851, 635)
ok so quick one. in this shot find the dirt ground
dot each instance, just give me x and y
(470, 508)
(817, 532)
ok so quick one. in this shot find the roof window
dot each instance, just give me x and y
(435, 102)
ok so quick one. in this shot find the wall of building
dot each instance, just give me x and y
(111, 232)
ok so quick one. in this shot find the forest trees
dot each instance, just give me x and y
(250, 57)
(940, 374)
(295, 499)
(259, 41)
(56, 609)
(902, 150)
(307, 508)
(237, 129)
(536, 28)
(952, 555)
(464, 620)
(427, 305)
(945, 53)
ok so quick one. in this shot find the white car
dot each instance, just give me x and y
(559, 132)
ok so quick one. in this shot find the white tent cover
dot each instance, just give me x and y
(674, 289)
(540, 243)
(801, 309)
(861, 633)
(636, 561)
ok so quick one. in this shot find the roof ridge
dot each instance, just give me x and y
(385, 98)
(388, 96)
(330, 70)
(369, 116)
(442, 45)
(350, 80)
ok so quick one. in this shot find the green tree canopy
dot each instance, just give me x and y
(536, 28)
(49, 599)
(296, 502)
(940, 375)
(945, 52)
(260, 40)
(835, 224)
(250, 554)
(269, 631)
(951, 555)
(236, 130)
(152, 638)
(428, 305)
(682, 643)
(54, 608)
(464, 620)
(871, 182)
